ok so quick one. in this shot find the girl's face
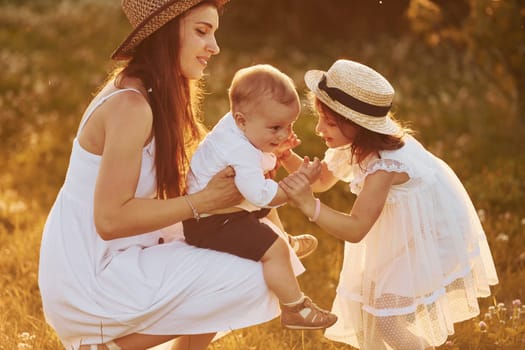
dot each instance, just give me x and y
(266, 125)
(197, 40)
(330, 132)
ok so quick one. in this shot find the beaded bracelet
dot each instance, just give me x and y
(317, 211)
(196, 214)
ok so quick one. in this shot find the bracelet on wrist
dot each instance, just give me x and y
(196, 214)
(317, 211)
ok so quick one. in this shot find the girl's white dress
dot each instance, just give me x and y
(423, 264)
(94, 291)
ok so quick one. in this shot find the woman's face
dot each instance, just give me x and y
(197, 39)
(330, 132)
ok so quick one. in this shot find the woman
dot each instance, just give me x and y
(109, 278)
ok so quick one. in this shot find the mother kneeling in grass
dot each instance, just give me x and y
(108, 276)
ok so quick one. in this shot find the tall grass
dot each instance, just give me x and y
(55, 54)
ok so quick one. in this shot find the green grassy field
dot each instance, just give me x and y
(54, 55)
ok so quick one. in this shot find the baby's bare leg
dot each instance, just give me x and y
(278, 273)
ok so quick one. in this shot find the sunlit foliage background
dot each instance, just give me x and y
(459, 72)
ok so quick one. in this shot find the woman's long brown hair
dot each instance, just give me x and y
(172, 99)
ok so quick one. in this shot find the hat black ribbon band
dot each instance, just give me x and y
(352, 102)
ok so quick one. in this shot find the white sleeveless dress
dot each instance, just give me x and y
(94, 291)
(422, 265)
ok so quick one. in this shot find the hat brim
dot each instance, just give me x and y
(151, 24)
(382, 125)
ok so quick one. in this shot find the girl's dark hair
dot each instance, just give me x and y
(365, 142)
(173, 100)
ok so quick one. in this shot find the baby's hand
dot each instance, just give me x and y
(312, 169)
(284, 149)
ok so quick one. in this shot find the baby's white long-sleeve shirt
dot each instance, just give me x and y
(225, 145)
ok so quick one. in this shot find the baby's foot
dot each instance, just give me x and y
(306, 315)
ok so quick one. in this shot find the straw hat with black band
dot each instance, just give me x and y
(148, 16)
(356, 92)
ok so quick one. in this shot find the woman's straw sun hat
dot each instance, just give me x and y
(147, 16)
(356, 92)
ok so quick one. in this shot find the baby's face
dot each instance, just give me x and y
(268, 123)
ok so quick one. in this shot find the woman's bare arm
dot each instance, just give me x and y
(127, 124)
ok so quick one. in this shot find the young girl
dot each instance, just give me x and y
(416, 258)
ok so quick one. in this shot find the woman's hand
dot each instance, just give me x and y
(221, 191)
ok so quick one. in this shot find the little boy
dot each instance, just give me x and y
(264, 105)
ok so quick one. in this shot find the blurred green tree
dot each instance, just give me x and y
(491, 33)
(54, 51)
(303, 23)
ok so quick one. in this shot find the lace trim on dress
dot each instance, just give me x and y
(389, 165)
(426, 300)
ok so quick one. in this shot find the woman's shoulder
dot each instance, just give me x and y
(124, 110)
(127, 102)
(130, 100)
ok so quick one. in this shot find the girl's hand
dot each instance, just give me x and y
(312, 170)
(297, 188)
(221, 191)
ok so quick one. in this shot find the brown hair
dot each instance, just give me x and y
(365, 142)
(249, 84)
(172, 98)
